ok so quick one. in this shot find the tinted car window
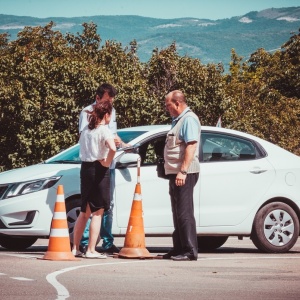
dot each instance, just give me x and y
(151, 150)
(222, 147)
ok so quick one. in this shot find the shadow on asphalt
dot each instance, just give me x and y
(40, 250)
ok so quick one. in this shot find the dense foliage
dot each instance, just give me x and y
(46, 78)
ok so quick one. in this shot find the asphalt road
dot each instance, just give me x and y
(235, 271)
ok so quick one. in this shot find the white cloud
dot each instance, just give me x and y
(207, 24)
(65, 25)
(16, 26)
(168, 25)
(289, 19)
(8, 27)
(245, 20)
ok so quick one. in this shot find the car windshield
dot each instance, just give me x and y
(128, 136)
(71, 155)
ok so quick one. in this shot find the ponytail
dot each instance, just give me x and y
(99, 111)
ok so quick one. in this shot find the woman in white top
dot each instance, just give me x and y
(97, 150)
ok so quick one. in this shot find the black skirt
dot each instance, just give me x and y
(95, 186)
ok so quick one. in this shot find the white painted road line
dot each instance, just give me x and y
(62, 292)
(248, 257)
(22, 278)
(21, 255)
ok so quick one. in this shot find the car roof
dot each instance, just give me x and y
(166, 127)
(150, 128)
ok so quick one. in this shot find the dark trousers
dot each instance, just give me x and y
(184, 235)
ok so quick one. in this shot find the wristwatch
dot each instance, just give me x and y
(183, 172)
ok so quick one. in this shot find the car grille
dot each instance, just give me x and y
(3, 189)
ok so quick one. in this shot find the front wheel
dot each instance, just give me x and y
(16, 243)
(210, 243)
(275, 228)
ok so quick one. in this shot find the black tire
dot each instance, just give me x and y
(275, 228)
(16, 243)
(72, 210)
(210, 243)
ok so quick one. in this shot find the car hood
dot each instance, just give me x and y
(36, 172)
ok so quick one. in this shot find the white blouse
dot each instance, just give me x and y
(93, 143)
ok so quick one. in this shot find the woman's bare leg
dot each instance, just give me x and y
(80, 226)
(95, 230)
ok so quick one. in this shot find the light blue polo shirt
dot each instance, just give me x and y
(189, 130)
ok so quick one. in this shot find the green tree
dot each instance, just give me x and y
(202, 85)
(38, 84)
(255, 102)
(47, 78)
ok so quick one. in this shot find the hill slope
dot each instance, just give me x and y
(210, 41)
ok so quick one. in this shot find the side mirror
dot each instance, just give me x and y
(127, 160)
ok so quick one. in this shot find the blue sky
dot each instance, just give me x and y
(205, 9)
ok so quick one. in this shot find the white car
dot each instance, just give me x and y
(247, 187)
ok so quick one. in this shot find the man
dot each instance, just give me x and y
(182, 166)
(104, 92)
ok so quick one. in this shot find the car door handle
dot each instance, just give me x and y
(257, 171)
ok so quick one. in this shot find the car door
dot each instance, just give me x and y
(234, 176)
(157, 214)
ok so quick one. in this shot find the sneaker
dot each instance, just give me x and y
(77, 253)
(94, 255)
(112, 249)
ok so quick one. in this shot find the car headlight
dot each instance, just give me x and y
(31, 186)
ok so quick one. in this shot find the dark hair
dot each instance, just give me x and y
(106, 87)
(98, 113)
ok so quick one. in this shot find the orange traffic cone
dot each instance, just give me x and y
(134, 244)
(59, 242)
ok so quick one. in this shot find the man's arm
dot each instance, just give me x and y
(188, 157)
(83, 120)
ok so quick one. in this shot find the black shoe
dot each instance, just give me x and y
(167, 255)
(182, 258)
(112, 249)
(82, 248)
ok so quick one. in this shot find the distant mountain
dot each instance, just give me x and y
(210, 41)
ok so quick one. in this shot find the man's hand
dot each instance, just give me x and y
(180, 179)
